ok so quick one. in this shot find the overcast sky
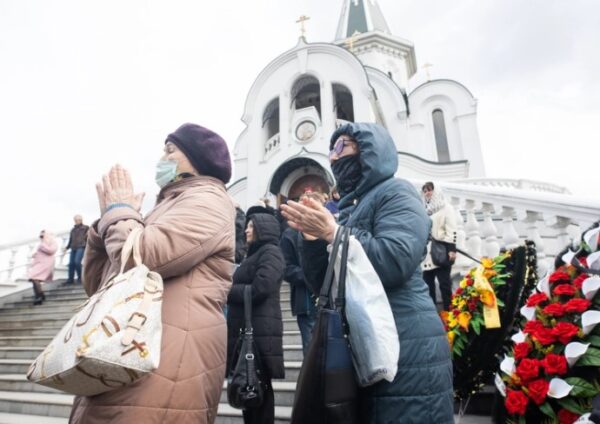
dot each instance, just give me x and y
(86, 84)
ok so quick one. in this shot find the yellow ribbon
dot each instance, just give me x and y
(491, 315)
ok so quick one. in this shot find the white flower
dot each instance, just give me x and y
(590, 287)
(568, 257)
(559, 388)
(507, 366)
(574, 351)
(591, 238)
(589, 320)
(544, 286)
(593, 260)
(528, 312)
(519, 337)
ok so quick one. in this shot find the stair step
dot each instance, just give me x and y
(41, 341)
(26, 352)
(229, 415)
(45, 404)
(7, 418)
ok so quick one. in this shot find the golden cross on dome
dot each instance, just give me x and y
(301, 21)
(426, 67)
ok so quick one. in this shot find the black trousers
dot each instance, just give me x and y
(37, 289)
(443, 277)
(265, 413)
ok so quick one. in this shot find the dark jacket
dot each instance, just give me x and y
(388, 218)
(240, 235)
(78, 236)
(263, 269)
(300, 296)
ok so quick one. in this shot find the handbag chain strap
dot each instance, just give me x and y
(340, 301)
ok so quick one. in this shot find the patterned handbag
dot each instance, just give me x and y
(115, 337)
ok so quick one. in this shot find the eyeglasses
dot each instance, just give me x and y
(339, 146)
(427, 190)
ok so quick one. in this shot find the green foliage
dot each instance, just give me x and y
(547, 409)
(582, 388)
(590, 359)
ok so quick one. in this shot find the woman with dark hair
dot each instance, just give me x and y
(387, 217)
(263, 270)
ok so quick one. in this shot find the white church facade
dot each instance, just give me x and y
(303, 95)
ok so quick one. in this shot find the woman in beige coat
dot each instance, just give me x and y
(188, 238)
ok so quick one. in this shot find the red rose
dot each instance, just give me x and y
(536, 299)
(455, 312)
(521, 350)
(538, 390)
(583, 262)
(567, 417)
(545, 336)
(459, 291)
(532, 326)
(578, 282)
(472, 305)
(557, 276)
(516, 402)
(565, 331)
(469, 282)
(564, 290)
(528, 369)
(555, 364)
(554, 309)
(577, 306)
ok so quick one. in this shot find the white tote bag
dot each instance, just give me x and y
(373, 335)
(114, 339)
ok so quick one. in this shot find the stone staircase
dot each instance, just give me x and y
(25, 331)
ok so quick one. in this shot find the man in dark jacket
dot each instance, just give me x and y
(301, 300)
(262, 269)
(77, 241)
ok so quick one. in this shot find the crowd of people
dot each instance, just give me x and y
(207, 249)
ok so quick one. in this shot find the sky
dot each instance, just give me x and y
(85, 85)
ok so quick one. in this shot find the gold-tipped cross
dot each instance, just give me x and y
(352, 40)
(426, 67)
(301, 21)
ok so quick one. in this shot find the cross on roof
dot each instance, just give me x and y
(301, 21)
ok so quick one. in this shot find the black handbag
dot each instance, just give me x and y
(244, 388)
(439, 253)
(327, 392)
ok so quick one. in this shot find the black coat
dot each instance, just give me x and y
(300, 296)
(263, 269)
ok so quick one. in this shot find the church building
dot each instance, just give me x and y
(302, 96)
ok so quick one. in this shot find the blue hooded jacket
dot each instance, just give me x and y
(387, 217)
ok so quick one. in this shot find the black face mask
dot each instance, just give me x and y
(347, 172)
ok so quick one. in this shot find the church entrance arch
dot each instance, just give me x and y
(293, 177)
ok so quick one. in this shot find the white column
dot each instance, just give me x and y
(63, 252)
(461, 261)
(560, 224)
(11, 263)
(489, 232)
(510, 236)
(472, 230)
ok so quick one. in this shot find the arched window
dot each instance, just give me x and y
(271, 118)
(441, 139)
(343, 103)
(306, 92)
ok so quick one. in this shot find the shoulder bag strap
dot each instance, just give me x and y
(340, 301)
(462, 252)
(130, 246)
(328, 281)
(248, 307)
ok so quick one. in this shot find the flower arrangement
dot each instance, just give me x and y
(553, 370)
(475, 295)
(482, 313)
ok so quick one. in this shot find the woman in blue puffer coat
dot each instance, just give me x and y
(387, 217)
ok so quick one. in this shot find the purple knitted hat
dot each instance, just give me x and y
(206, 150)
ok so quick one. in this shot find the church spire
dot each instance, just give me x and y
(360, 16)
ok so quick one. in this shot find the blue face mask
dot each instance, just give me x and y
(166, 171)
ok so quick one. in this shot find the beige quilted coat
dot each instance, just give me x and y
(189, 239)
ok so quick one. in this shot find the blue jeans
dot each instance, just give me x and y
(75, 264)
(306, 322)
